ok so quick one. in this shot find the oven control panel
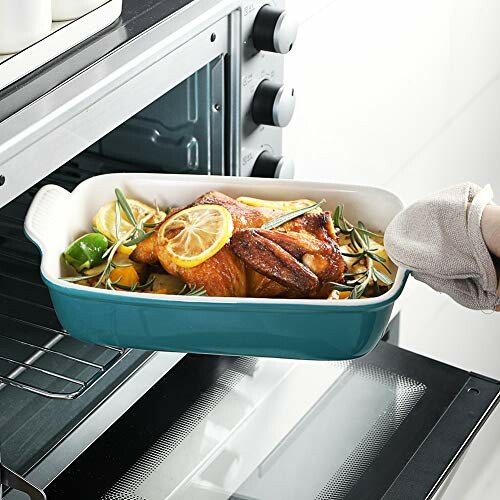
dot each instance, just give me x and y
(273, 104)
(274, 30)
(267, 101)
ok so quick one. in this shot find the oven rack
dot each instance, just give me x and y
(29, 363)
(36, 354)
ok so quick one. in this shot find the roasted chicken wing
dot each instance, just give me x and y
(296, 259)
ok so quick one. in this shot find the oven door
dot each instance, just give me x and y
(390, 425)
(167, 98)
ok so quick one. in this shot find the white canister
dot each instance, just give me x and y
(22, 23)
(64, 10)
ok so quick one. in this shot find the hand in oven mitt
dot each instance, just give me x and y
(449, 241)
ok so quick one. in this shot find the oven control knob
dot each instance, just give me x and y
(273, 104)
(269, 165)
(274, 30)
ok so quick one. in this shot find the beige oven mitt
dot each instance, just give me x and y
(439, 239)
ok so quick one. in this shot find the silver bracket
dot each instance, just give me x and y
(12, 480)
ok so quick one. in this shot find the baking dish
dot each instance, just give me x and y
(285, 328)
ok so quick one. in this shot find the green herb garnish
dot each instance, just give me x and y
(282, 219)
(135, 241)
(76, 279)
(192, 291)
(358, 236)
(132, 237)
(136, 286)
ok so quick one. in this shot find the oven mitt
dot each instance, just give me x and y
(439, 239)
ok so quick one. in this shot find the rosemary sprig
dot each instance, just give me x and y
(152, 225)
(351, 275)
(340, 287)
(139, 234)
(359, 232)
(192, 291)
(359, 237)
(380, 276)
(118, 220)
(282, 219)
(125, 207)
(132, 237)
(135, 241)
(136, 286)
(75, 279)
(358, 291)
(368, 233)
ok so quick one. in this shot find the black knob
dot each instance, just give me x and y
(273, 104)
(269, 165)
(274, 30)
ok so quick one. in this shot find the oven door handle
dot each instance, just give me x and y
(12, 480)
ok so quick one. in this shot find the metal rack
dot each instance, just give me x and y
(36, 354)
(81, 384)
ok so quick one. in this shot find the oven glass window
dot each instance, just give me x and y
(182, 132)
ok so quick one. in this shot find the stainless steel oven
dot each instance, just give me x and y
(192, 86)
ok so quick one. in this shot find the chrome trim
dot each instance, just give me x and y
(12, 480)
(234, 118)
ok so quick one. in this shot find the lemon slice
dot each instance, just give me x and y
(105, 221)
(286, 206)
(195, 234)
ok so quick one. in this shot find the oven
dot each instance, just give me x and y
(193, 87)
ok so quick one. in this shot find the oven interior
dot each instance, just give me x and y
(49, 382)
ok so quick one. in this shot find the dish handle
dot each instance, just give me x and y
(42, 217)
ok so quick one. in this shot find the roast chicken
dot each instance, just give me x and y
(295, 260)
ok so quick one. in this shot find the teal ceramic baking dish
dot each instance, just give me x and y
(282, 328)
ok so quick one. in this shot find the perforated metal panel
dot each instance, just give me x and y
(386, 425)
(126, 487)
(407, 394)
(183, 462)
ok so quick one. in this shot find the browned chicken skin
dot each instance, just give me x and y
(294, 260)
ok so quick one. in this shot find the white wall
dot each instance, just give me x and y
(406, 95)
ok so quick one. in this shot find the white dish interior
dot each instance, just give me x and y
(57, 220)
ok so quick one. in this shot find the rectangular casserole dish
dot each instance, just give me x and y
(284, 328)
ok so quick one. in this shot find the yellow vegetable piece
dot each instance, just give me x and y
(124, 276)
(105, 221)
(286, 206)
(171, 284)
(195, 234)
